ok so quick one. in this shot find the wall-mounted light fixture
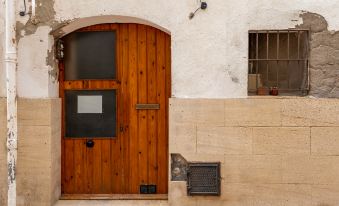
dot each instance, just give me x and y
(203, 6)
(59, 50)
(24, 11)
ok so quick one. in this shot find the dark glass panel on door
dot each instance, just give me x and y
(90, 55)
(90, 113)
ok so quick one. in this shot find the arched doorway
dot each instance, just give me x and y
(115, 86)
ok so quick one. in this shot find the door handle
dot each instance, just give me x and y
(90, 143)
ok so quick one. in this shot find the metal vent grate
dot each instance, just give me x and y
(203, 179)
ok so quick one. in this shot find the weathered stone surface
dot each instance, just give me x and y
(182, 138)
(38, 164)
(283, 140)
(325, 140)
(314, 22)
(205, 112)
(34, 113)
(325, 195)
(282, 194)
(178, 195)
(235, 194)
(324, 56)
(253, 169)
(325, 170)
(252, 112)
(224, 140)
(310, 112)
(297, 169)
(265, 149)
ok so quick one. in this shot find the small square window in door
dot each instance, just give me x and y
(90, 55)
(90, 113)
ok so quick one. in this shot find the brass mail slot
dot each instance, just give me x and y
(147, 106)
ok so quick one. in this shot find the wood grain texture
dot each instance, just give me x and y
(161, 96)
(139, 153)
(152, 117)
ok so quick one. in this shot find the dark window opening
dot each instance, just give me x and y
(278, 60)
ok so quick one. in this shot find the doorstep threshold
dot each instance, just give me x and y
(114, 197)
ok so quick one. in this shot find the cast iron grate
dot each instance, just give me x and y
(203, 179)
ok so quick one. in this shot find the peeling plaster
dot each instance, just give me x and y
(324, 56)
(312, 21)
(44, 16)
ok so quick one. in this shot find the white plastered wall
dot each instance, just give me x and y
(209, 52)
(2, 49)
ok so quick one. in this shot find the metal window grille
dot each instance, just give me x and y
(279, 59)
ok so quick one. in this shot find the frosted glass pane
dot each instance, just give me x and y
(90, 104)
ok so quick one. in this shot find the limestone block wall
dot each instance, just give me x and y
(38, 165)
(274, 151)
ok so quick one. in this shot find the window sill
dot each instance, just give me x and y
(279, 97)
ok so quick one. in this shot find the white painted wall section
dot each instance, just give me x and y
(33, 76)
(2, 48)
(209, 52)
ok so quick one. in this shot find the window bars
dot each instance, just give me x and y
(279, 59)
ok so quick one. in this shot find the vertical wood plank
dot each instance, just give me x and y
(116, 166)
(68, 175)
(80, 165)
(64, 184)
(161, 95)
(125, 140)
(142, 98)
(132, 100)
(89, 162)
(96, 167)
(168, 72)
(167, 96)
(152, 115)
(106, 177)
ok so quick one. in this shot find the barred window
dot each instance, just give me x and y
(278, 60)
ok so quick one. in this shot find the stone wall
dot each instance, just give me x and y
(38, 165)
(274, 151)
(324, 56)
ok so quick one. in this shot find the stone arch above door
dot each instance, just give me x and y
(89, 21)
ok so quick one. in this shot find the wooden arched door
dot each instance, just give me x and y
(115, 86)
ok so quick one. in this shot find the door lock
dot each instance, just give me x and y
(90, 143)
